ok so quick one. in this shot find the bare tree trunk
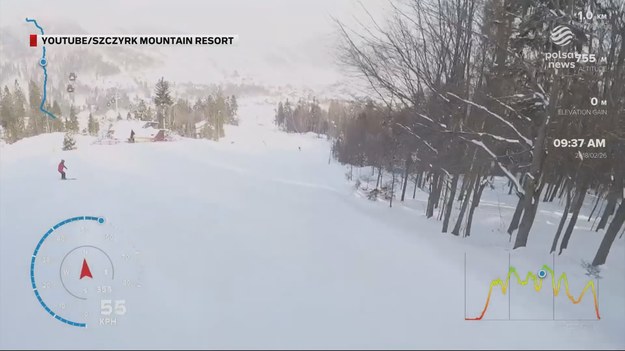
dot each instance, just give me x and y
(465, 184)
(534, 183)
(516, 218)
(390, 204)
(592, 227)
(477, 194)
(607, 212)
(547, 192)
(434, 195)
(420, 180)
(613, 195)
(577, 205)
(442, 185)
(450, 202)
(443, 199)
(558, 184)
(463, 209)
(529, 214)
(406, 172)
(565, 214)
(566, 181)
(610, 235)
(594, 207)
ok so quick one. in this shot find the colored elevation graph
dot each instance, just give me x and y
(538, 284)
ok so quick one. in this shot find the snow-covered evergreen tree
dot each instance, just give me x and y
(72, 123)
(162, 99)
(69, 143)
(93, 126)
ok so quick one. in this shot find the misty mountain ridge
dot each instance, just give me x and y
(135, 69)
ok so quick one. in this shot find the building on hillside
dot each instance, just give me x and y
(137, 131)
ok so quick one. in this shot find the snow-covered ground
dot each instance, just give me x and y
(250, 242)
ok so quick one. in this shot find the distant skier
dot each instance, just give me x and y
(132, 136)
(62, 169)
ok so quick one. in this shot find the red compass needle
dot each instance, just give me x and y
(85, 271)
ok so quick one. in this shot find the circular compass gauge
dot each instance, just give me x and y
(84, 273)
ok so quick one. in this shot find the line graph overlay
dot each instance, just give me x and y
(515, 283)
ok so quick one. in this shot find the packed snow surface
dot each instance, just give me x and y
(259, 241)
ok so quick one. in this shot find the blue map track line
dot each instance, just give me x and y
(43, 62)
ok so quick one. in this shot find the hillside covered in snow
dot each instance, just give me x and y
(259, 241)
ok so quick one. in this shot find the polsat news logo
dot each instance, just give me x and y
(561, 35)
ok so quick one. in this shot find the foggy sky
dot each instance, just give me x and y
(265, 27)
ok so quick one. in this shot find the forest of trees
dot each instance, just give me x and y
(306, 116)
(183, 116)
(461, 92)
(20, 116)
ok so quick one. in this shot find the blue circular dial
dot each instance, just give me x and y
(83, 272)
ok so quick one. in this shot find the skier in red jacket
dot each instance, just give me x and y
(62, 169)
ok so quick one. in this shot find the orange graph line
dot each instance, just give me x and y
(538, 283)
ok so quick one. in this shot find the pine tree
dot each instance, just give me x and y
(149, 114)
(68, 142)
(280, 115)
(19, 110)
(92, 125)
(315, 124)
(6, 114)
(207, 132)
(162, 100)
(72, 124)
(232, 107)
(141, 111)
(34, 96)
(56, 124)
(36, 122)
(90, 122)
(220, 115)
(288, 113)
